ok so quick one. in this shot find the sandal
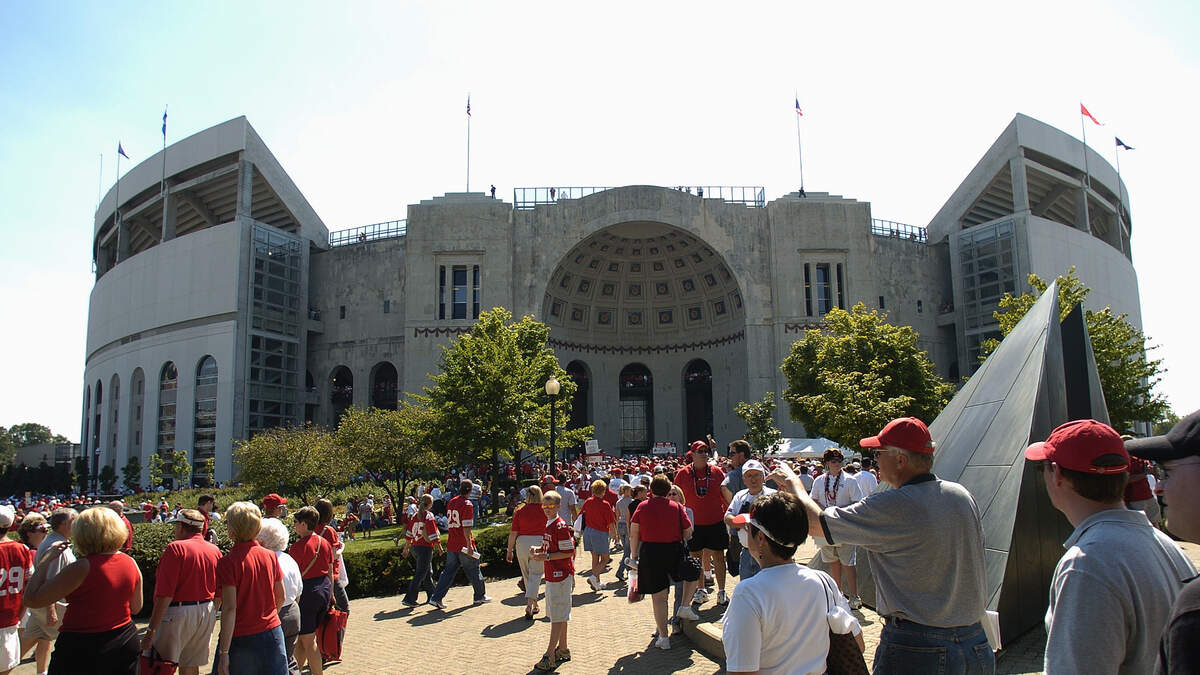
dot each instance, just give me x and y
(528, 615)
(562, 655)
(544, 665)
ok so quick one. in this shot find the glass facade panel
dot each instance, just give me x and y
(204, 444)
(986, 255)
(168, 381)
(824, 290)
(273, 370)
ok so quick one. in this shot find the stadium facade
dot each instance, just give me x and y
(224, 306)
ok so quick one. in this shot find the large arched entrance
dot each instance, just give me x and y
(654, 296)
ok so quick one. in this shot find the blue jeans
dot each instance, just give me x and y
(747, 565)
(907, 647)
(470, 567)
(422, 555)
(258, 654)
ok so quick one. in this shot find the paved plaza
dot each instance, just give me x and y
(607, 634)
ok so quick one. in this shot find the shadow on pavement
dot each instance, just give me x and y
(394, 614)
(652, 660)
(507, 628)
(436, 616)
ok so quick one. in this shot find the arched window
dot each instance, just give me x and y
(87, 418)
(383, 386)
(341, 392)
(168, 380)
(580, 410)
(204, 437)
(96, 417)
(637, 409)
(114, 397)
(311, 398)
(137, 399)
(698, 400)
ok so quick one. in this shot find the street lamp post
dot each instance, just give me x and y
(552, 389)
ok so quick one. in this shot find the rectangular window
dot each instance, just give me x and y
(881, 302)
(387, 306)
(342, 312)
(807, 290)
(137, 437)
(824, 290)
(441, 291)
(458, 293)
(475, 292)
(840, 288)
(920, 307)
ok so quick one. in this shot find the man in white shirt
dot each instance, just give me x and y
(866, 480)
(837, 488)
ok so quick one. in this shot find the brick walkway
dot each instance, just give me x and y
(607, 634)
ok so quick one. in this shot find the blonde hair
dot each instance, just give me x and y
(553, 496)
(98, 530)
(678, 490)
(244, 520)
(533, 494)
(599, 487)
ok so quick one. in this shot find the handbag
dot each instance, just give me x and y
(329, 634)
(844, 658)
(152, 663)
(687, 568)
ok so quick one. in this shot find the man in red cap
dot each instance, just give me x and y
(925, 545)
(700, 482)
(1112, 591)
(272, 506)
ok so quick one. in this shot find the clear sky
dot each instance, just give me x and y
(364, 106)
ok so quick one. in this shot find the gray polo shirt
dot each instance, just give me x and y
(925, 545)
(59, 564)
(1116, 582)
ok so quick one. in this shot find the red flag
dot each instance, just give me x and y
(1084, 111)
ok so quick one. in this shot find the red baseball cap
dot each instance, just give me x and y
(698, 445)
(549, 479)
(272, 501)
(1077, 445)
(906, 433)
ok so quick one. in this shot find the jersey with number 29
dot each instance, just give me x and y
(460, 518)
(16, 562)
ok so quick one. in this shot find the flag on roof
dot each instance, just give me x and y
(468, 105)
(798, 107)
(1084, 111)
(121, 151)
(164, 121)
(1121, 144)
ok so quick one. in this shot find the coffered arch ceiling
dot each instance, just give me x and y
(642, 282)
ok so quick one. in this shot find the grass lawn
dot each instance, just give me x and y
(381, 537)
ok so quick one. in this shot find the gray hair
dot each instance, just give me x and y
(60, 516)
(922, 461)
(273, 535)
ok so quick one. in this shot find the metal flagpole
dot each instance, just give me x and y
(468, 142)
(1120, 189)
(162, 186)
(100, 182)
(1087, 174)
(117, 201)
(799, 145)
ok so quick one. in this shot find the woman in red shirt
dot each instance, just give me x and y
(251, 583)
(314, 556)
(420, 539)
(656, 535)
(528, 526)
(103, 587)
(599, 527)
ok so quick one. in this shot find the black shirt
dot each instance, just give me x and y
(1179, 649)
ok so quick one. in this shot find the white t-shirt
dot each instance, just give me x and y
(568, 500)
(740, 500)
(867, 481)
(843, 489)
(776, 622)
(292, 583)
(615, 484)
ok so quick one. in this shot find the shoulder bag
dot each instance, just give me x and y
(688, 567)
(844, 658)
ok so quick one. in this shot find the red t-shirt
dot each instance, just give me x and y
(1138, 488)
(330, 535)
(16, 564)
(129, 537)
(422, 531)
(598, 514)
(709, 507)
(101, 603)
(660, 520)
(529, 520)
(187, 571)
(558, 538)
(611, 497)
(312, 546)
(253, 571)
(460, 518)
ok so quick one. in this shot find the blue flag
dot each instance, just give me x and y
(121, 151)
(164, 122)
(1121, 144)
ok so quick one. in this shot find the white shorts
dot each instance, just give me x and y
(558, 599)
(833, 553)
(185, 633)
(10, 648)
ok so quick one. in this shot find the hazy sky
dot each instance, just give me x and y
(363, 105)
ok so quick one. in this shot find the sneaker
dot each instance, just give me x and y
(688, 613)
(409, 603)
(663, 642)
(673, 622)
(484, 600)
(699, 597)
(437, 603)
(722, 598)
(855, 602)
(595, 583)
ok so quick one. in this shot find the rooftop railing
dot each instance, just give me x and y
(890, 228)
(525, 199)
(365, 233)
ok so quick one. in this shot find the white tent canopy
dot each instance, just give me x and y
(805, 448)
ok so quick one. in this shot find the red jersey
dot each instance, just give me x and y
(597, 514)
(16, 564)
(709, 507)
(460, 518)
(1138, 488)
(253, 571)
(529, 520)
(330, 535)
(305, 550)
(611, 497)
(558, 538)
(129, 536)
(660, 520)
(422, 531)
(187, 570)
(101, 603)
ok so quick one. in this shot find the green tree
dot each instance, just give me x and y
(82, 476)
(1127, 376)
(489, 401)
(108, 479)
(292, 461)
(181, 469)
(207, 469)
(132, 473)
(30, 433)
(1169, 419)
(155, 470)
(759, 416)
(391, 446)
(8, 449)
(857, 373)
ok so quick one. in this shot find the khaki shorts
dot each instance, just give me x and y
(558, 599)
(10, 648)
(184, 634)
(833, 553)
(36, 628)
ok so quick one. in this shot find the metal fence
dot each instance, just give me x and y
(528, 198)
(365, 233)
(890, 228)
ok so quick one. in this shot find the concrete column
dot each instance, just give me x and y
(123, 236)
(245, 189)
(1081, 211)
(1020, 186)
(169, 217)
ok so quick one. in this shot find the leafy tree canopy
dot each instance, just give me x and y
(292, 460)
(32, 433)
(858, 372)
(1127, 376)
(393, 443)
(759, 416)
